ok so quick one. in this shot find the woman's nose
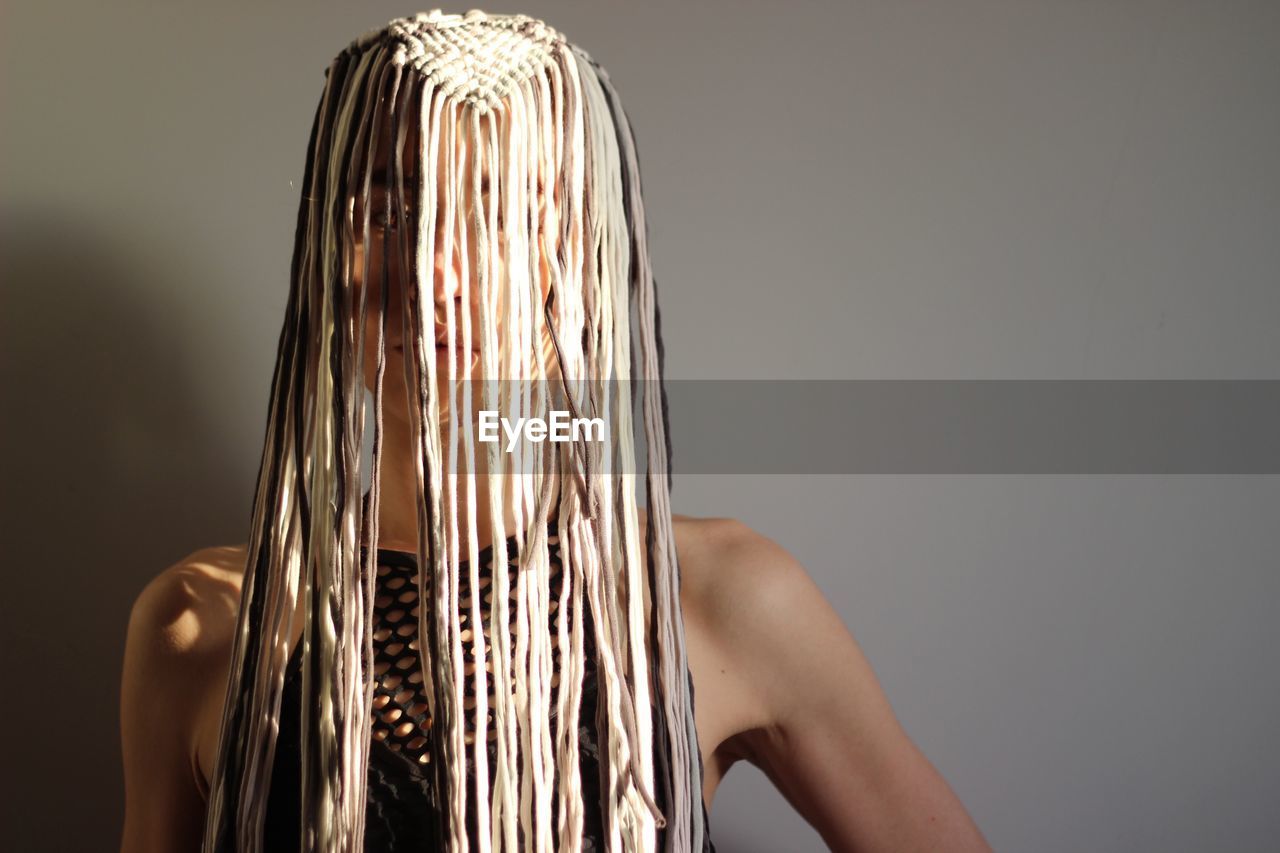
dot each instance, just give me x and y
(448, 290)
(450, 273)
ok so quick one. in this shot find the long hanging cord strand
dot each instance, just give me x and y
(522, 281)
(686, 762)
(600, 271)
(576, 568)
(358, 579)
(308, 414)
(502, 802)
(485, 221)
(606, 193)
(471, 476)
(455, 230)
(602, 170)
(247, 736)
(635, 706)
(535, 481)
(334, 715)
(315, 454)
(367, 141)
(620, 697)
(630, 751)
(502, 833)
(538, 582)
(424, 410)
(369, 138)
(576, 364)
(550, 105)
(436, 584)
(487, 234)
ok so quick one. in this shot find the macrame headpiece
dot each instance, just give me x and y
(536, 110)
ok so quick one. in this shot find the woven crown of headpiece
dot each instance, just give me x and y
(475, 57)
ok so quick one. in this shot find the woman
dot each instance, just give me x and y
(325, 686)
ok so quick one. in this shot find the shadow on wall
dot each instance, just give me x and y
(111, 474)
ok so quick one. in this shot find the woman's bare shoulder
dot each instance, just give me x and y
(179, 638)
(743, 596)
(180, 633)
(190, 607)
(749, 594)
(725, 563)
(176, 652)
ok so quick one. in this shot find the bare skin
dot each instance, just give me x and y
(802, 705)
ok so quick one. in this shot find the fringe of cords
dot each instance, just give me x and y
(533, 110)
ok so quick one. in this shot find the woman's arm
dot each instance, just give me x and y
(160, 696)
(833, 745)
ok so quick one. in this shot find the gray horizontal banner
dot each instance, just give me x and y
(958, 426)
(976, 427)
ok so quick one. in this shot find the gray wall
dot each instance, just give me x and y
(867, 190)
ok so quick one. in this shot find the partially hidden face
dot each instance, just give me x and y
(456, 273)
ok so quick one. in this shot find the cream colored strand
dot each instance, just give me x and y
(421, 373)
(354, 789)
(593, 290)
(686, 778)
(354, 649)
(520, 278)
(315, 407)
(577, 543)
(621, 698)
(533, 590)
(502, 832)
(484, 276)
(328, 728)
(433, 557)
(638, 708)
(356, 605)
(532, 639)
(614, 738)
(366, 143)
(501, 363)
(570, 637)
(531, 401)
(551, 143)
(524, 297)
(614, 349)
(457, 684)
(570, 640)
(348, 689)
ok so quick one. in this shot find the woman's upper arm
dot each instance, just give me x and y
(833, 745)
(159, 696)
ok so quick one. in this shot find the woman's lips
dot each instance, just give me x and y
(440, 345)
(443, 346)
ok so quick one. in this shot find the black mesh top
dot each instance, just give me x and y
(403, 810)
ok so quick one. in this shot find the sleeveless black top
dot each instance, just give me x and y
(403, 811)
